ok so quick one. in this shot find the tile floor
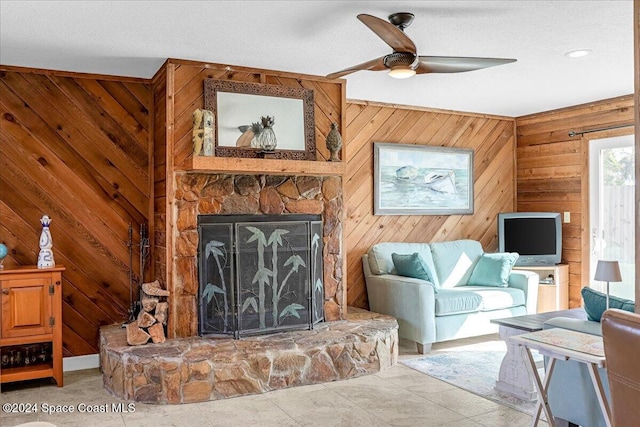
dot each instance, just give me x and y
(398, 396)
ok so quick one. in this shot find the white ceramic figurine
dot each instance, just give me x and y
(45, 257)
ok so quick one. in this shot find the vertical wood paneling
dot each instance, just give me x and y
(493, 141)
(76, 147)
(553, 173)
(159, 87)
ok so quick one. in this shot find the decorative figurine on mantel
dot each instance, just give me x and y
(334, 142)
(208, 136)
(202, 136)
(45, 257)
(267, 137)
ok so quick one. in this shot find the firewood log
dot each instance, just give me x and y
(135, 335)
(145, 319)
(162, 310)
(154, 289)
(149, 303)
(157, 333)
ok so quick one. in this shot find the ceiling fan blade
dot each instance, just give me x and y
(454, 64)
(373, 65)
(388, 32)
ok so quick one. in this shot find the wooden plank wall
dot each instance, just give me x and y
(493, 141)
(553, 172)
(76, 147)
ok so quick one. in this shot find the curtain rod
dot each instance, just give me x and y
(574, 133)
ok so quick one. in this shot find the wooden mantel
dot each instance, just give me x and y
(264, 166)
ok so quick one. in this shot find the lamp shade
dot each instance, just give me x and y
(608, 271)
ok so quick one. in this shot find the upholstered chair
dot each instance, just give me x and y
(621, 336)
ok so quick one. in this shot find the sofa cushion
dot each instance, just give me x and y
(595, 303)
(380, 261)
(413, 265)
(497, 298)
(493, 270)
(454, 261)
(456, 301)
(470, 299)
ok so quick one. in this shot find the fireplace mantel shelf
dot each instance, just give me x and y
(264, 166)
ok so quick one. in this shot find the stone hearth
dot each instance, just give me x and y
(197, 369)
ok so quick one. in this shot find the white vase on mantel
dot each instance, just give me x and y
(45, 257)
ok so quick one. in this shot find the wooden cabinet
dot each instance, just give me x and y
(553, 289)
(31, 323)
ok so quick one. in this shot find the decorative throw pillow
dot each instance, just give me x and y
(493, 270)
(413, 265)
(595, 303)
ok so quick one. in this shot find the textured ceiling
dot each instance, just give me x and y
(133, 38)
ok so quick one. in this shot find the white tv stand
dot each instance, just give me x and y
(553, 289)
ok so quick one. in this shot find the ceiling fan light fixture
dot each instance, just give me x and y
(401, 72)
(403, 62)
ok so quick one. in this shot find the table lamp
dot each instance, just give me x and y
(608, 271)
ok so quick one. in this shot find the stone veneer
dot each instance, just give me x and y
(196, 369)
(198, 193)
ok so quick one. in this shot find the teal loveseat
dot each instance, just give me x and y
(446, 307)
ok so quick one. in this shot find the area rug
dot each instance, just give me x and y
(474, 371)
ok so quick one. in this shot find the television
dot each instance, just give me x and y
(536, 236)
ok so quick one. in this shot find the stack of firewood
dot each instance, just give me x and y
(152, 317)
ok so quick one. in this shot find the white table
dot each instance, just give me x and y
(514, 377)
(563, 344)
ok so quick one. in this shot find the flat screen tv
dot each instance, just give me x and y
(536, 236)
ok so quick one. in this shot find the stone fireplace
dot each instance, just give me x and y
(191, 368)
(259, 274)
(198, 194)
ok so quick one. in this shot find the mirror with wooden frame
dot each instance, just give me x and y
(238, 108)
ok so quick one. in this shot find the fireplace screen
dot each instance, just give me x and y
(259, 273)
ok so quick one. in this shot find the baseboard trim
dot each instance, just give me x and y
(78, 363)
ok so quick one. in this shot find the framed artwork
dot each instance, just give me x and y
(243, 110)
(422, 180)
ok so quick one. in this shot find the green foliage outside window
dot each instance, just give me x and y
(618, 166)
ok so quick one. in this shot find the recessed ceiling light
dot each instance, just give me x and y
(578, 53)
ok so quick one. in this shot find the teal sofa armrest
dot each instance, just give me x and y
(410, 301)
(528, 282)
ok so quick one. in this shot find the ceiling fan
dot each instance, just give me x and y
(404, 61)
